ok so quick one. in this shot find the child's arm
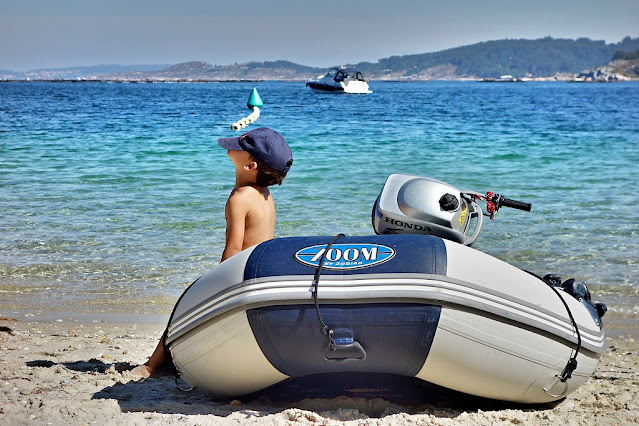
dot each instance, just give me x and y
(236, 210)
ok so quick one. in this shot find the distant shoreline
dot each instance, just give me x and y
(175, 81)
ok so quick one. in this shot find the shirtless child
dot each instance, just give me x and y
(261, 158)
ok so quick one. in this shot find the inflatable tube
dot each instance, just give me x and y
(412, 305)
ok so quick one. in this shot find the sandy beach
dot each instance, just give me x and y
(66, 372)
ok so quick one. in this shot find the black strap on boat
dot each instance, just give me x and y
(167, 353)
(572, 362)
(553, 281)
(326, 331)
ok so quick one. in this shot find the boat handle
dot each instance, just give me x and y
(180, 386)
(479, 217)
(343, 353)
(552, 384)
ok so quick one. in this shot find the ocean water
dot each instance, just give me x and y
(112, 195)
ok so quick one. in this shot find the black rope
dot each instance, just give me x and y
(572, 362)
(326, 331)
(571, 365)
(167, 353)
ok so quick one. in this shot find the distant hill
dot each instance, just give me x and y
(541, 58)
(203, 71)
(70, 73)
(544, 57)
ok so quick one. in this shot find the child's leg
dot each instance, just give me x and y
(158, 358)
(156, 362)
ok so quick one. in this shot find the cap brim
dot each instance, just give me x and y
(230, 143)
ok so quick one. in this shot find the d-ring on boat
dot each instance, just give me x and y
(406, 302)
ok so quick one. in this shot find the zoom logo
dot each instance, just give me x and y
(345, 256)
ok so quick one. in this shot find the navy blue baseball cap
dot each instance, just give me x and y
(265, 145)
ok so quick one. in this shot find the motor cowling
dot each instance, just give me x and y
(410, 204)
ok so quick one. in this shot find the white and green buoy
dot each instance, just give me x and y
(255, 103)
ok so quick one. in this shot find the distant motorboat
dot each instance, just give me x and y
(340, 80)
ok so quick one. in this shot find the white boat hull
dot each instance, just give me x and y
(456, 317)
(353, 87)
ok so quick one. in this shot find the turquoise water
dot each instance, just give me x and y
(112, 195)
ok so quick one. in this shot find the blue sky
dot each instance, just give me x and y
(61, 33)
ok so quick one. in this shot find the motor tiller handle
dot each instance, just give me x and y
(514, 204)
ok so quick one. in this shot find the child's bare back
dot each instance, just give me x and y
(250, 218)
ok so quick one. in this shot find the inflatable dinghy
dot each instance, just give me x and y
(407, 304)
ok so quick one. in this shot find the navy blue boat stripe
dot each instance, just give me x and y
(395, 336)
(375, 254)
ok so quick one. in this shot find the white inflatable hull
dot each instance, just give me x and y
(411, 305)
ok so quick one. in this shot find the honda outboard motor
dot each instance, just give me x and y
(410, 204)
